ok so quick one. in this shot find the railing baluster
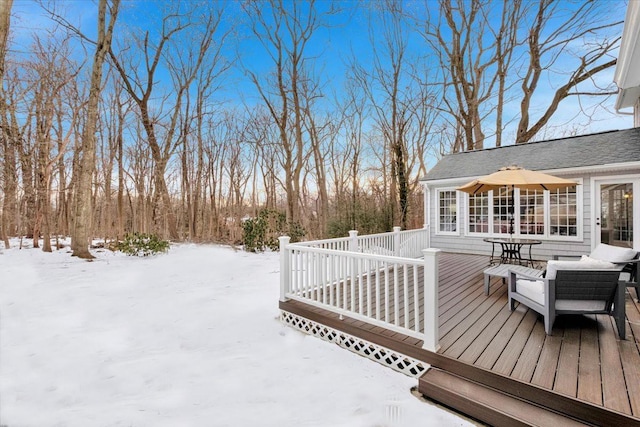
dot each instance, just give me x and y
(332, 280)
(353, 284)
(359, 263)
(368, 269)
(311, 271)
(386, 292)
(407, 313)
(377, 270)
(396, 296)
(345, 288)
(416, 299)
(325, 285)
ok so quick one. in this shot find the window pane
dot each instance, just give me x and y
(448, 209)
(501, 204)
(563, 218)
(531, 212)
(479, 213)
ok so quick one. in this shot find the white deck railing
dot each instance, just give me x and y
(363, 278)
(406, 244)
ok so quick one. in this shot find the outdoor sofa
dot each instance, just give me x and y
(595, 284)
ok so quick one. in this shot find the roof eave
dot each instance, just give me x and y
(626, 75)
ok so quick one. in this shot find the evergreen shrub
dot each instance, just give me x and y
(262, 232)
(141, 244)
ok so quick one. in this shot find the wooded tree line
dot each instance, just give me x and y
(173, 127)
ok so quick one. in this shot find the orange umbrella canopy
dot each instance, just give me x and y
(516, 177)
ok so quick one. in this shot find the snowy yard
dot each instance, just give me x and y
(190, 338)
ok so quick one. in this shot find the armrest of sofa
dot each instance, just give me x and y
(540, 290)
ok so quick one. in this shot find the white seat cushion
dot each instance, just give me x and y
(532, 289)
(580, 305)
(612, 253)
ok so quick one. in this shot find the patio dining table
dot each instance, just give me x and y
(511, 250)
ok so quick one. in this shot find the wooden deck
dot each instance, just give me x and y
(584, 361)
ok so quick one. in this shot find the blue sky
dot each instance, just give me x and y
(331, 48)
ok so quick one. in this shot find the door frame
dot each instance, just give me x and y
(596, 183)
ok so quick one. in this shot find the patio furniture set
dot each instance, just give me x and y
(594, 284)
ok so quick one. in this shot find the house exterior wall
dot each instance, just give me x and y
(462, 242)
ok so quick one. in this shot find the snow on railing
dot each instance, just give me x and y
(394, 292)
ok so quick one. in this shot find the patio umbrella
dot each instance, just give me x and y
(512, 177)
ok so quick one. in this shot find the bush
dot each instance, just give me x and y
(262, 232)
(141, 244)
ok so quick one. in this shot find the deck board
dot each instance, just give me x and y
(567, 378)
(582, 359)
(474, 328)
(631, 366)
(589, 378)
(502, 333)
(612, 376)
(511, 353)
(545, 373)
(528, 360)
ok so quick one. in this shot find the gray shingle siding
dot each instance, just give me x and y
(604, 148)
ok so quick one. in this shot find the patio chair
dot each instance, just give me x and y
(627, 260)
(570, 287)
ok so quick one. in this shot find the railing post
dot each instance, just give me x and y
(396, 241)
(285, 268)
(353, 242)
(430, 313)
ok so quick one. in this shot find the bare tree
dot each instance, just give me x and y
(346, 156)
(400, 100)
(81, 231)
(474, 57)
(549, 41)
(495, 52)
(285, 31)
(141, 86)
(7, 148)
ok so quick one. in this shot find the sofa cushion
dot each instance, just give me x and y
(585, 263)
(532, 289)
(612, 253)
(598, 263)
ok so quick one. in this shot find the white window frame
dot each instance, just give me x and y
(437, 211)
(516, 222)
(489, 216)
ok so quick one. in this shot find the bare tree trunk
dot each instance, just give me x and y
(9, 156)
(81, 232)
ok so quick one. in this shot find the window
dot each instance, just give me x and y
(563, 216)
(501, 210)
(532, 212)
(479, 213)
(447, 211)
(539, 214)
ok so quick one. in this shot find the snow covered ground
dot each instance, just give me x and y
(189, 338)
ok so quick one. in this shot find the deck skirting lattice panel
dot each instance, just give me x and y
(390, 358)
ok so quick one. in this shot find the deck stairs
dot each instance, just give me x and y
(488, 405)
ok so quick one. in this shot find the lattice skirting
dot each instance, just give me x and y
(393, 359)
